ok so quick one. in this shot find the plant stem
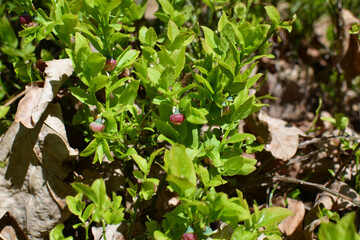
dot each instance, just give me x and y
(87, 224)
(133, 217)
(104, 228)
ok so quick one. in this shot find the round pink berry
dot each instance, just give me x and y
(97, 127)
(177, 118)
(25, 18)
(110, 65)
(189, 236)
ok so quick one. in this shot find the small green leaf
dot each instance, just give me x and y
(151, 37)
(196, 116)
(239, 137)
(226, 69)
(243, 110)
(127, 57)
(75, 205)
(167, 78)
(147, 190)
(234, 212)
(172, 31)
(222, 22)
(344, 229)
(91, 148)
(57, 234)
(141, 162)
(180, 170)
(160, 236)
(166, 129)
(211, 38)
(273, 13)
(102, 200)
(87, 213)
(82, 96)
(86, 190)
(98, 83)
(3, 111)
(94, 64)
(271, 216)
(129, 95)
(106, 149)
(167, 7)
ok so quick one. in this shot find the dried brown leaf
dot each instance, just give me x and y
(335, 203)
(39, 95)
(31, 186)
(112, 232)
(292, 225)
(284, 137)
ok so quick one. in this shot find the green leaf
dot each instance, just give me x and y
(180, 170)
(98, 83)
(222, 22)
(87, 213)
(271, 216)
(3, 111)
(160, 236)
(241, 233)
(243, 110)
(196, 116)
(254, 36)
(210, 37)
(91, 148)
(239, 165)
(205, 82)
(129, 95)
(344, 229)
(147, 190)
(7, 34)
(151, 37)
(234, 212)
(172, 31)
(56, 233)
(126, 58)
(167, 7)
(94, 63)
(86, 190)
(75, 205)
(106, 6)
(141, 162)
(82, 96)
(273, 13)
(166, 129)
(106, 149)
(226, 69)
(167, 78)
(102, 200)
(99, 154)
(239, 137)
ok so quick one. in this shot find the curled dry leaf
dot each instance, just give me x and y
(292, 225)
(112, 232)
(32, 189)
(284, 137)
(335, 203)
(39, 95)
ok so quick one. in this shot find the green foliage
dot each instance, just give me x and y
(179, 63)
(344, 228)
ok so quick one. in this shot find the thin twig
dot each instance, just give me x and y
(19, 95)
(316, 140)
(319, 186)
